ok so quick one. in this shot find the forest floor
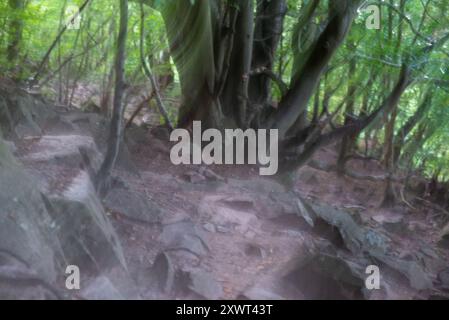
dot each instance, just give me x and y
(235, 234)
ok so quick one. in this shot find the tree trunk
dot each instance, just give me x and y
(390, 194)
(295, 102)
(116, 126)
(15, 30)
(348, 141)
(405, 130)
(267, 33)
(190, 31)
(234, 98)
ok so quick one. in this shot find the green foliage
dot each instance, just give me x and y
(87, 55)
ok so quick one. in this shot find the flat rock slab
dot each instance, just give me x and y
(184, 235)
(133, 205)
(203, 284)
(62, 148)
(228, 211)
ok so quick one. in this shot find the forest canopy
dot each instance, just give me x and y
(370, 75)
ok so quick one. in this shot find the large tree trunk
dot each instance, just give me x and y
(267, 33)
(116, 126)
(190, 31)
(234, 98)
(295, 102)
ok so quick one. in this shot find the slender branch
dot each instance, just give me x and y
(270, 74)
(55, 42)
(149, 74)
(403, 16)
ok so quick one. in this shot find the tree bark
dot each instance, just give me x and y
(15, 30)
(295, 102)
(234, 98)
(116, 126)
(405, 130)
(190, 31)
(348, 141)
(315, 139)
(267, 33)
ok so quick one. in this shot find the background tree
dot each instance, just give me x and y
(116, 126)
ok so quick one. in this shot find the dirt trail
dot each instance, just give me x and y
(243, 230)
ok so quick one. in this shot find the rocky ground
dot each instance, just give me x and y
(183, 232)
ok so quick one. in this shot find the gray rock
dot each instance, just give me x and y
(258, 185)
(84, 232)
(22, 114)
(137, 135)
(25, 225)
(356, 238)
(65, 150)
(51, 232)
(226, 211)
(99, 129)
(194, 177)
(418, 278)
(57, 125)
(259, 293)
(359, 239)
(443, 277)
(19, 282)
(184, 235)
(203, 284)
(209, 227)
(444, 237)
(163, 273)
(222, 229)
(308, 176)
(101, 288)
(134, 205)
(391, 222)
(326, 276)
(304, 213)
(353, 235)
